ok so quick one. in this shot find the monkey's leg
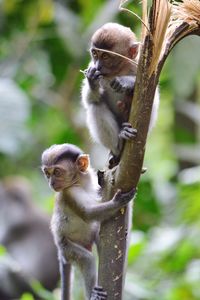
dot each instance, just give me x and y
(85, 261)
(65, 274)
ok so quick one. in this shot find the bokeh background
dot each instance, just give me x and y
(43, 46)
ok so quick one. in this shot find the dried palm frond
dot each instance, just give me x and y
(184, 20)
(166, 25)
(144, 18)
(160, 20)
(187, 11)
(169, 23)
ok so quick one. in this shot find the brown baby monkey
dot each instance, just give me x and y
(77, 213)
(107, 90)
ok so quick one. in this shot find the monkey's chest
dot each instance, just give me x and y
(74, 228)
(117, 103)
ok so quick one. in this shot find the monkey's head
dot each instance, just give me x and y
(63, 165)
(116, 38)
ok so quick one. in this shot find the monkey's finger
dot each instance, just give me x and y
(126, 197)
(129, 195)
(98, 288)
(126, 124)
(129, 91)
(90, 72)
(114, 84)
(118, 89)
(95, 296)
(126, 136)
(99, 293)
(97, 74)
(130, 130)
(117, 195)
(118, 192)
(102, 296)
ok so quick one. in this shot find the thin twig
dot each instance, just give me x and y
(134, 14)
(117, 54)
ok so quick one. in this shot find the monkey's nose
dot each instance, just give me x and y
(98, 66)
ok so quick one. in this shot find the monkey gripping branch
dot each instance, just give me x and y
(167, 23)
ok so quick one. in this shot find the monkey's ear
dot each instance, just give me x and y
(83, 162)
(133, 50)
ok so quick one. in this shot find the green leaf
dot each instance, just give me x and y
(135, 251)
(27, 296)
(2, 250)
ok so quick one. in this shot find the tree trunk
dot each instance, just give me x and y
(114, 232)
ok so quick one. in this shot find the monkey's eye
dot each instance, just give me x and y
(47, 174)
(57, 172)
(94, 53)
(105, 56)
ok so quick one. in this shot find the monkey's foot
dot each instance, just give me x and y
(127, 132)
(98, 293)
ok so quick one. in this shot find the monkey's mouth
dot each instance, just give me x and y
(56, 188)
(105, 72)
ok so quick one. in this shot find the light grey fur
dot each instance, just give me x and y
(102, 113)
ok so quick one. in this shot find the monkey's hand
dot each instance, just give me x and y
(127, 132)
(123, 84)
(123, 198)
(98, 293)
(93, 76)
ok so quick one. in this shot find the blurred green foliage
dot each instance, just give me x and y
(43, 47)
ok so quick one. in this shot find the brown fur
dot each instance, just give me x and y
(112, 34)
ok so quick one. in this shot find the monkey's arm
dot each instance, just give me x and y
(91, 86)
(88, 211)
